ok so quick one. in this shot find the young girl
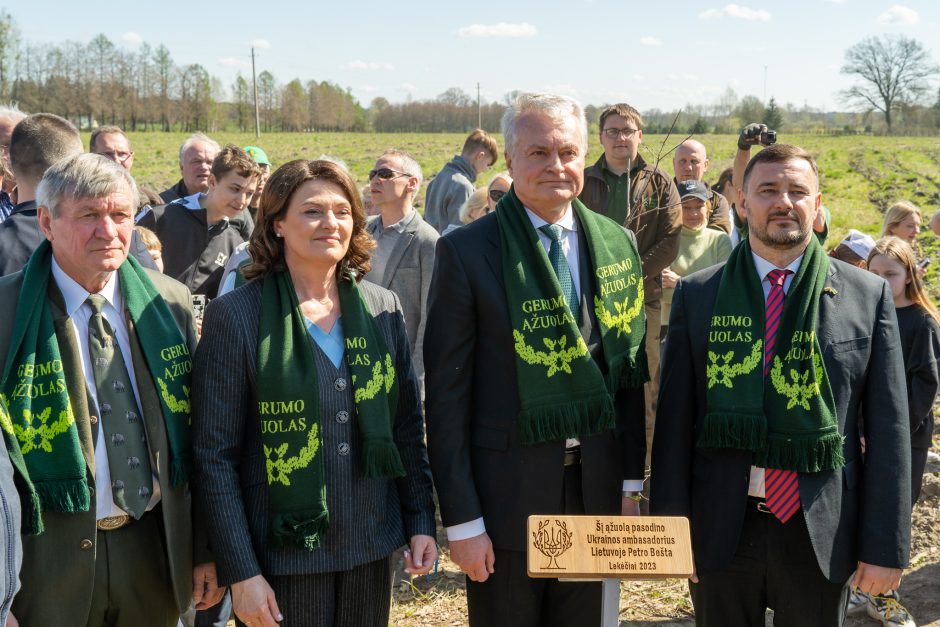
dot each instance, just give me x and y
(919, 324)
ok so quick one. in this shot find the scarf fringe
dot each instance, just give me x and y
(179, 471)
(627, 372)
(299, 529)
(813, 454)
(570, 420)
(381, 459)
(746, 432)
(66, 495)
(32, 513)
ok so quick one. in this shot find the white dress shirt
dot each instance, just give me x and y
(756, 484)
(569, 246)
(75, 296)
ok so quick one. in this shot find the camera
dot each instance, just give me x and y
(923, 263)
(768, 137)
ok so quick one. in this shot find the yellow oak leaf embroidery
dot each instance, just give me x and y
(368, 391)
(38, 431)
(799, 389)
(625, 314)
(559, 356)
(177, 406)
(721, 371)
(280, 465)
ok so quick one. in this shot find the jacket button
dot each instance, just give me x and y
(93, 420)
(85, 544)
(342, 417)
(343, 448)
(340, 384)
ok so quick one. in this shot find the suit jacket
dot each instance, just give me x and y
(860, 512)
(369, 519)
(61, 594)
(481, 468)
(408, 274)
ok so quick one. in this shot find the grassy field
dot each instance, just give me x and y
(861, 176)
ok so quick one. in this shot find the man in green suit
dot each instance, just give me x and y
(96, 376)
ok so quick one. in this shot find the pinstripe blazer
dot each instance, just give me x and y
(369, 519)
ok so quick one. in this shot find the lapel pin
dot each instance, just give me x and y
(830, 290)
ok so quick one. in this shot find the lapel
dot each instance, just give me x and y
(149, 404)
(71, 356)
(492, 252)
(401, 245)
(832, 299)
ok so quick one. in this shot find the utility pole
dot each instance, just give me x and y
(479, 109)
(254, 84)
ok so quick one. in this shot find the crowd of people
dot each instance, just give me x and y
(241, 396)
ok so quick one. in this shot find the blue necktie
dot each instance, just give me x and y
(560, 265)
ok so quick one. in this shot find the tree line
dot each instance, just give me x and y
(98, 82)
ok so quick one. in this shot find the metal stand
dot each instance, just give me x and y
(610, 603)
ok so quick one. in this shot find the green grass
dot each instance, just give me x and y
(860, 176)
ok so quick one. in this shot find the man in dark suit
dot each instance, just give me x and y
(784, 522)
(403, 258)
(489, 474)
(125, 557)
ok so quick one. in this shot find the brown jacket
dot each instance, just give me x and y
(654, 216)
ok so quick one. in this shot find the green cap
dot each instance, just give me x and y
(258, 155)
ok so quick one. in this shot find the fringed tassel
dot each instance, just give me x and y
(571, 420)
(179, 471)
(747, 432)
(803, 455)
(67, 496)
(381, 459)
(296, 529)
(626, 372)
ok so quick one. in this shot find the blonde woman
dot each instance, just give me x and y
(902, 220)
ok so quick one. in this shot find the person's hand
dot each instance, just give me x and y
(474, 556)
(629, 507)
(750, 135)
(420, 557)
(254, 604)
(694, 577)
(670, 278)
(206, 590)
(11, 620)
(876, 580)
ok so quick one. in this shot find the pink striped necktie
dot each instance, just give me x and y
(781, 487)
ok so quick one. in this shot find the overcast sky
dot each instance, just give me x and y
(651, 54)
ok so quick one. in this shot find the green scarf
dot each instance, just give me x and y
(40, 431)
(288, 402)
(562, 391)
(788, 421)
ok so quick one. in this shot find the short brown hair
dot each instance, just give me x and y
(267, 250)
(38, 141)
(481, 140)
(780, 153)
(105, 130)
(234, 158)
(623, 110)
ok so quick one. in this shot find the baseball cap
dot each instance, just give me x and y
(693, 189)
(859, 243)
(258, 155)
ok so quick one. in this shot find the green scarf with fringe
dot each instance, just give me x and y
(40, 430)
(788, 420)
(562, 391)
(289, 406)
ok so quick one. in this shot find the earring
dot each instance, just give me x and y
(279, 234)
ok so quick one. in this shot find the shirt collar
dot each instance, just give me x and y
(194, 201)
(567, 221)
(402, 224)
(75, 295)
(764, 267)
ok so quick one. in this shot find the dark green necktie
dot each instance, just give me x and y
(557, 258)
(124, 436)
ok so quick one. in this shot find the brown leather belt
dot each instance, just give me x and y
(572, 456)
(111, 523)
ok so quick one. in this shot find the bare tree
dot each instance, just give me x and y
(892, 70)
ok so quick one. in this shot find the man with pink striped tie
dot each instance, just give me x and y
(791, 356)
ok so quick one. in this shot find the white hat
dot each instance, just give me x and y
(859, 243)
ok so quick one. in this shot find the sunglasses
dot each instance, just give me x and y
(496, 194)
(386, 174)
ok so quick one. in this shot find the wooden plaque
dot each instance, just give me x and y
(623, 547)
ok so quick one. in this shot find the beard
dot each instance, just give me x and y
(779, 238)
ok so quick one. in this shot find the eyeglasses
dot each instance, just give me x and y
(614, 133)
(496, 194)
(118, 157)
(386, 174)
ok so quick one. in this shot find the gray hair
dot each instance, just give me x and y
(198, 137)
(84, 175)
(11, 111)
(554, 106)
(409, 164)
